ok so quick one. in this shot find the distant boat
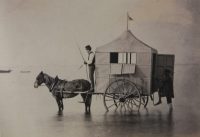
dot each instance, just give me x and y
(25, 71)
(5, 71)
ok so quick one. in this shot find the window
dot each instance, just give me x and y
(123, 57)
(114, 57)
(133, 58)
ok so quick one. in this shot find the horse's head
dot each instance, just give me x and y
(39, 80)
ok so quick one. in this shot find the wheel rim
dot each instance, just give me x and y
(123, 95)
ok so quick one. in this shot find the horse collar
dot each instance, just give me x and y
(53, 86)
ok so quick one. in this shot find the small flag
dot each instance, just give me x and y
(129, 17)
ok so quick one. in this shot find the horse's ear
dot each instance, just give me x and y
(41, 73)
(56, 78)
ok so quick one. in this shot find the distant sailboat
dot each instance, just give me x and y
(25, 71)
(5, 71)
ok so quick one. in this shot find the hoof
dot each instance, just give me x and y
(60, 112)
(87, 112)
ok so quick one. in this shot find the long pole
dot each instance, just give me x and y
(82, 57)
(80, 51)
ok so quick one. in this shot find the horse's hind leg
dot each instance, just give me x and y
(84, 97)
(88, 103)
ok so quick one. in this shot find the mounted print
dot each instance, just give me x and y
(83, 68)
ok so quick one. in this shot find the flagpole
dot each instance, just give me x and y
(127, 21)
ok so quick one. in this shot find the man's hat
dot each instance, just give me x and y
(88, 47)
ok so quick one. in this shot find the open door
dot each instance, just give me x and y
(161, 62)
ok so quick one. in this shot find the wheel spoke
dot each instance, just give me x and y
(109, 95)
(142, 103)
(143, 100)
(125, 107)
(136, 100)
(130, 104)
(117, 83)
(111, 105)
(123, 87)
(121, 105)
(135, 104)
(129, 89)
(127, 104)
(118, 103)
(112, 88)
(111, 98)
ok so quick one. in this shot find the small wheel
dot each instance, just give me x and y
(122, 94)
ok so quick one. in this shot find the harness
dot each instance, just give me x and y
(54, 84)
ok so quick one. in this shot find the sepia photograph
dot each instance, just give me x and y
(99, 68)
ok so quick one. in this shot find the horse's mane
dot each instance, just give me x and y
(49, 80)
(53, 79)
(45, 74)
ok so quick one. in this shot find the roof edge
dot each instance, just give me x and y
(140, 40)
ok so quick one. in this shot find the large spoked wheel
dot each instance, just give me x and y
(122, 94)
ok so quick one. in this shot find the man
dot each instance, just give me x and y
(91, 65)
(166, 88)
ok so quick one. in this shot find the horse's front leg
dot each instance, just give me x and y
(59, 104)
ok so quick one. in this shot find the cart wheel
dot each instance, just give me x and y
(122, 94)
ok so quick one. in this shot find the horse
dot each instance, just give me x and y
(57, 87)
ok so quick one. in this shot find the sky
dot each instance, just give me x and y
(49, 32)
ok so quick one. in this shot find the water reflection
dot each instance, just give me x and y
(59, 116)
(88, 117)
(60, 113)
(140, 123)
(117, 123)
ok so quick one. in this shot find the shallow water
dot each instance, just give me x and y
(26, 111)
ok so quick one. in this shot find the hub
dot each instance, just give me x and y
(122, 99)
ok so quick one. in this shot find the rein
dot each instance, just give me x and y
(53, 82)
